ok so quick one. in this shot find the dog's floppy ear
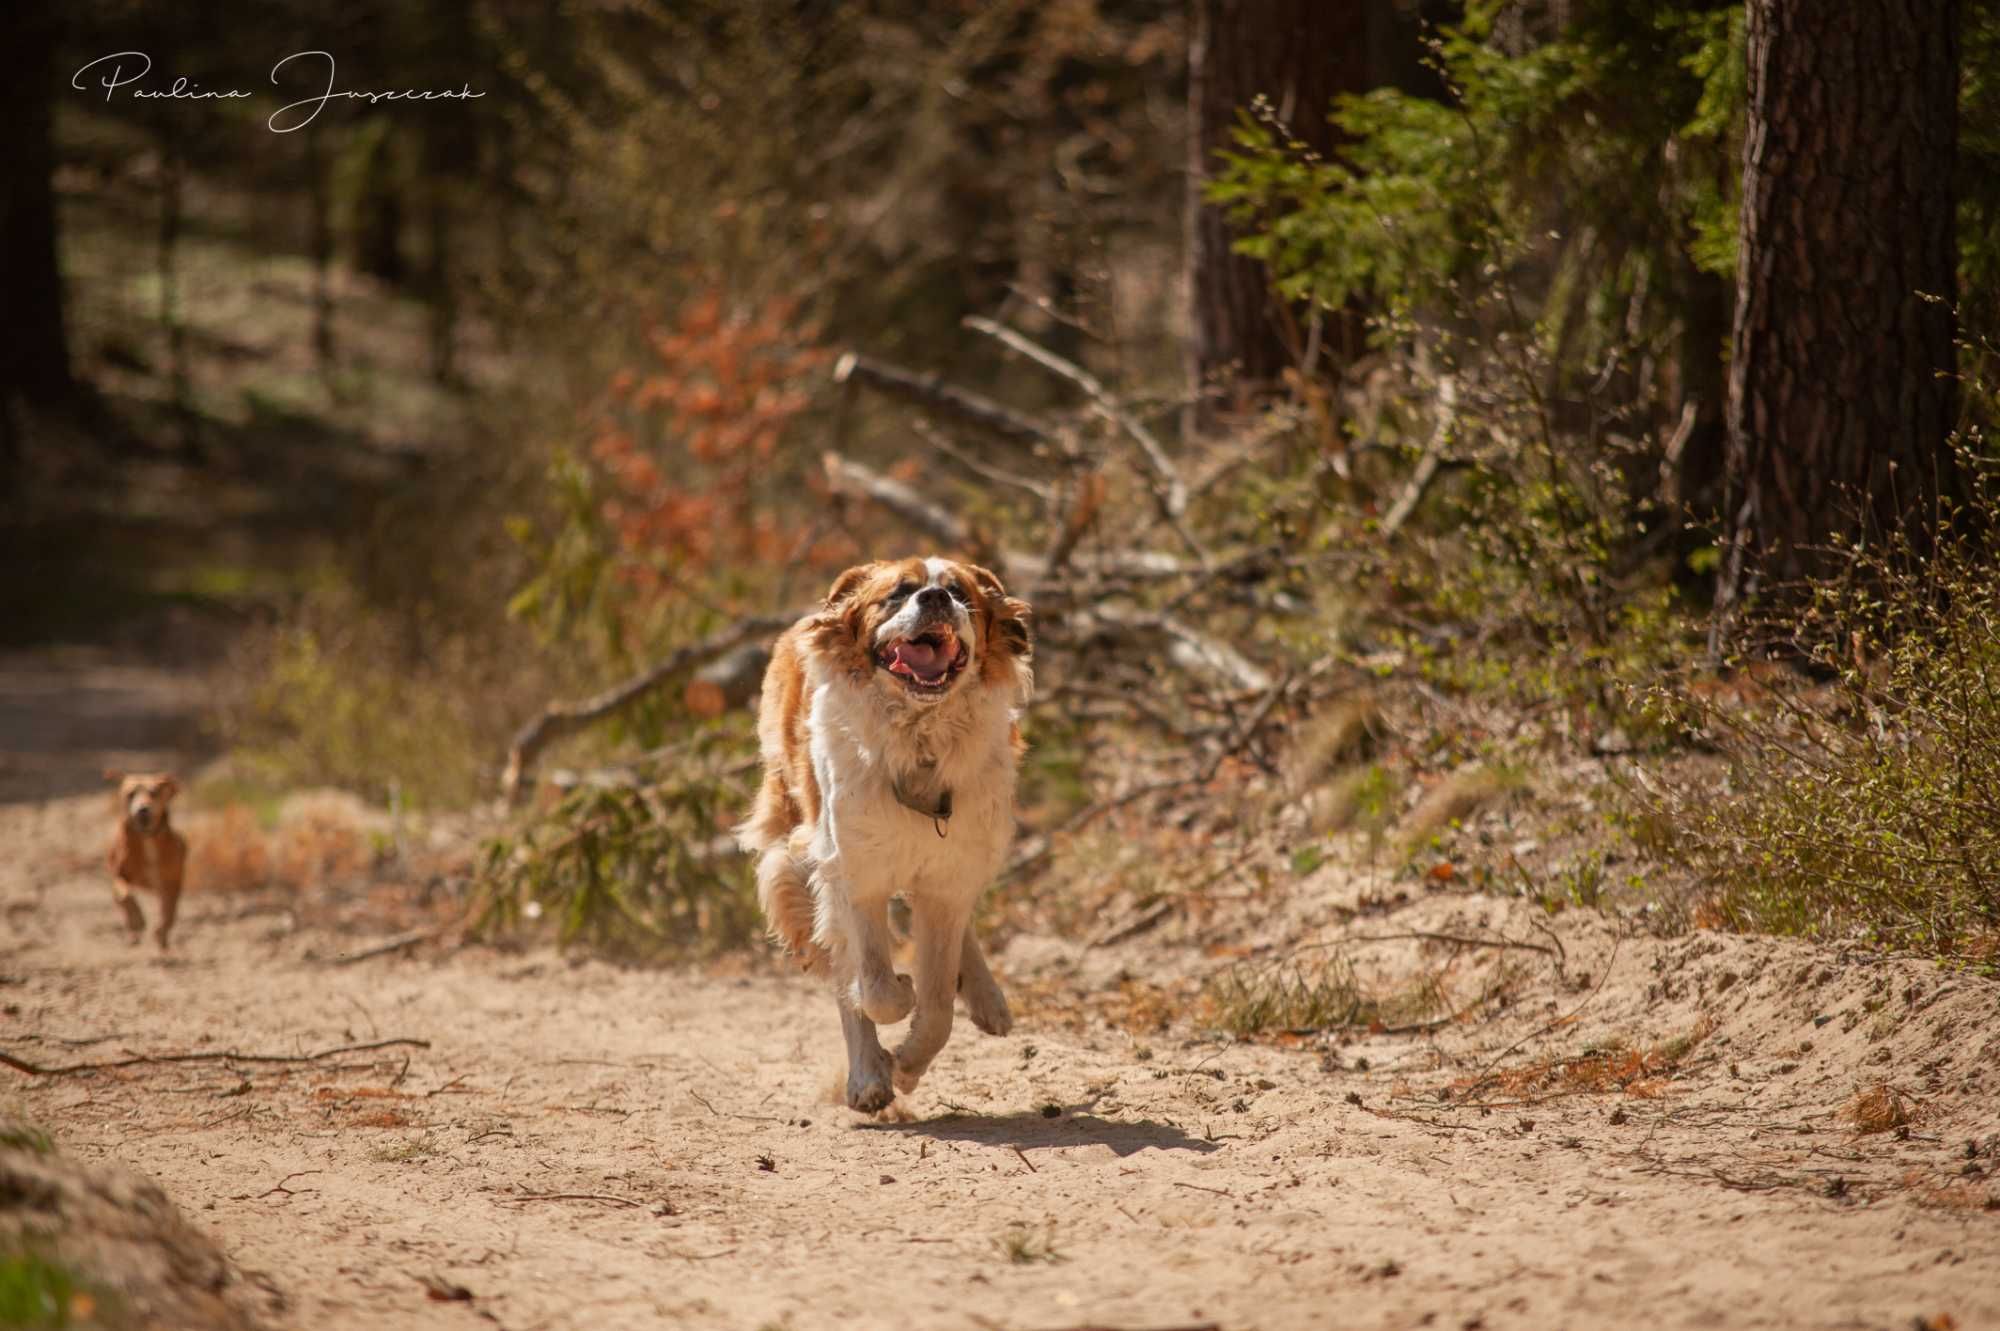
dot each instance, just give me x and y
(986, 580)
(847, 584)
(170, 786)
(113, 775)
(836, 629)
(1009, 625)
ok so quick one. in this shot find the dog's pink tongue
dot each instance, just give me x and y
(921, 659)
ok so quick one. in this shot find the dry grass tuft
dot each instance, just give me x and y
(1342, 734)
(1363, 796)
(230, 850)
(1637, 1072)
(1024, 1245)
(1451, 801)
(1295, 996)
(1879, 1108)
(1950, 1194)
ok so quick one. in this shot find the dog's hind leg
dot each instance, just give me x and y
(784, 890)
(868, 1083)
(938, 931)
(984, 1002)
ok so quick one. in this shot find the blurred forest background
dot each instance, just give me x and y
(1529, 445)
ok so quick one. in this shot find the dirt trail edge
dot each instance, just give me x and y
(581, 1146)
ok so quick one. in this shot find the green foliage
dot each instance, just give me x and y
(27, 1137)
(569, 598)
(332, 702)
(1535, 308)
(1864, 790)
(644, 869)
(37, 1292)
(1631, 103)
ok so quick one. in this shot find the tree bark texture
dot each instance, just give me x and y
(1297, 54)
(34, 355)
(1840, 395)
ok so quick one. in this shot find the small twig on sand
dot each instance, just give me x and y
(1220, 1192)
(703, 1101)
(228, 1056)
(396, 944)
(1486, 1073)
(1025, 1160)
(569, 1197)
(279, 1186)
(1423, 935)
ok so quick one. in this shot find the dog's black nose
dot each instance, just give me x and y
(933, 598)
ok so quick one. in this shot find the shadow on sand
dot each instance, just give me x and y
(1033, 1129)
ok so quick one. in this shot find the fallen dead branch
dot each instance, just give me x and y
(226, 1056)
(397, 944)
(1035, 847)
(931, 391)
(566, 718)
(1172, 490)
(1189, 647)
(1427, 465)
(1486, 1077)
(1422, 935)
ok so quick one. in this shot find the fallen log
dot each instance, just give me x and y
(566, 718)
(931, 391)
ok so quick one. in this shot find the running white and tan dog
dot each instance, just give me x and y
(890, 741)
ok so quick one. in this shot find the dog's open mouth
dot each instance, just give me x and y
(926, 662)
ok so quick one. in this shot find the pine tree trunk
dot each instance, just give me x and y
(1840, 400)
(319, 200)
(1296, 54)
(34, 351)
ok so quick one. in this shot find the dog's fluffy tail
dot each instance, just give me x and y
(784, 890)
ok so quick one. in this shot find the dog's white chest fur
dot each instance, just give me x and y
(862, 754)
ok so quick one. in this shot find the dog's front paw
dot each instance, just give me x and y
(885, 999)
(987, 1007)
(868, 1085)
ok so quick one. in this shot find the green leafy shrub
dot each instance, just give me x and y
(40, 1293)
(1863, 791)
(640, 865)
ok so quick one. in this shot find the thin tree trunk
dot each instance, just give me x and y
(319, 200)
(1840, 395)
(1295, 55)
(173, 172)
(438, 281)
(34, 348)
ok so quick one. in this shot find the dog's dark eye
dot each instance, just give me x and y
(959, 594)
(903, 590)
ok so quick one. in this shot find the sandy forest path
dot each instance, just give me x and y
(577, 1145)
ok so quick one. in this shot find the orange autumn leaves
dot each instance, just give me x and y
(693, 447)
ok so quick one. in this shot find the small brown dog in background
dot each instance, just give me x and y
(146, 852)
